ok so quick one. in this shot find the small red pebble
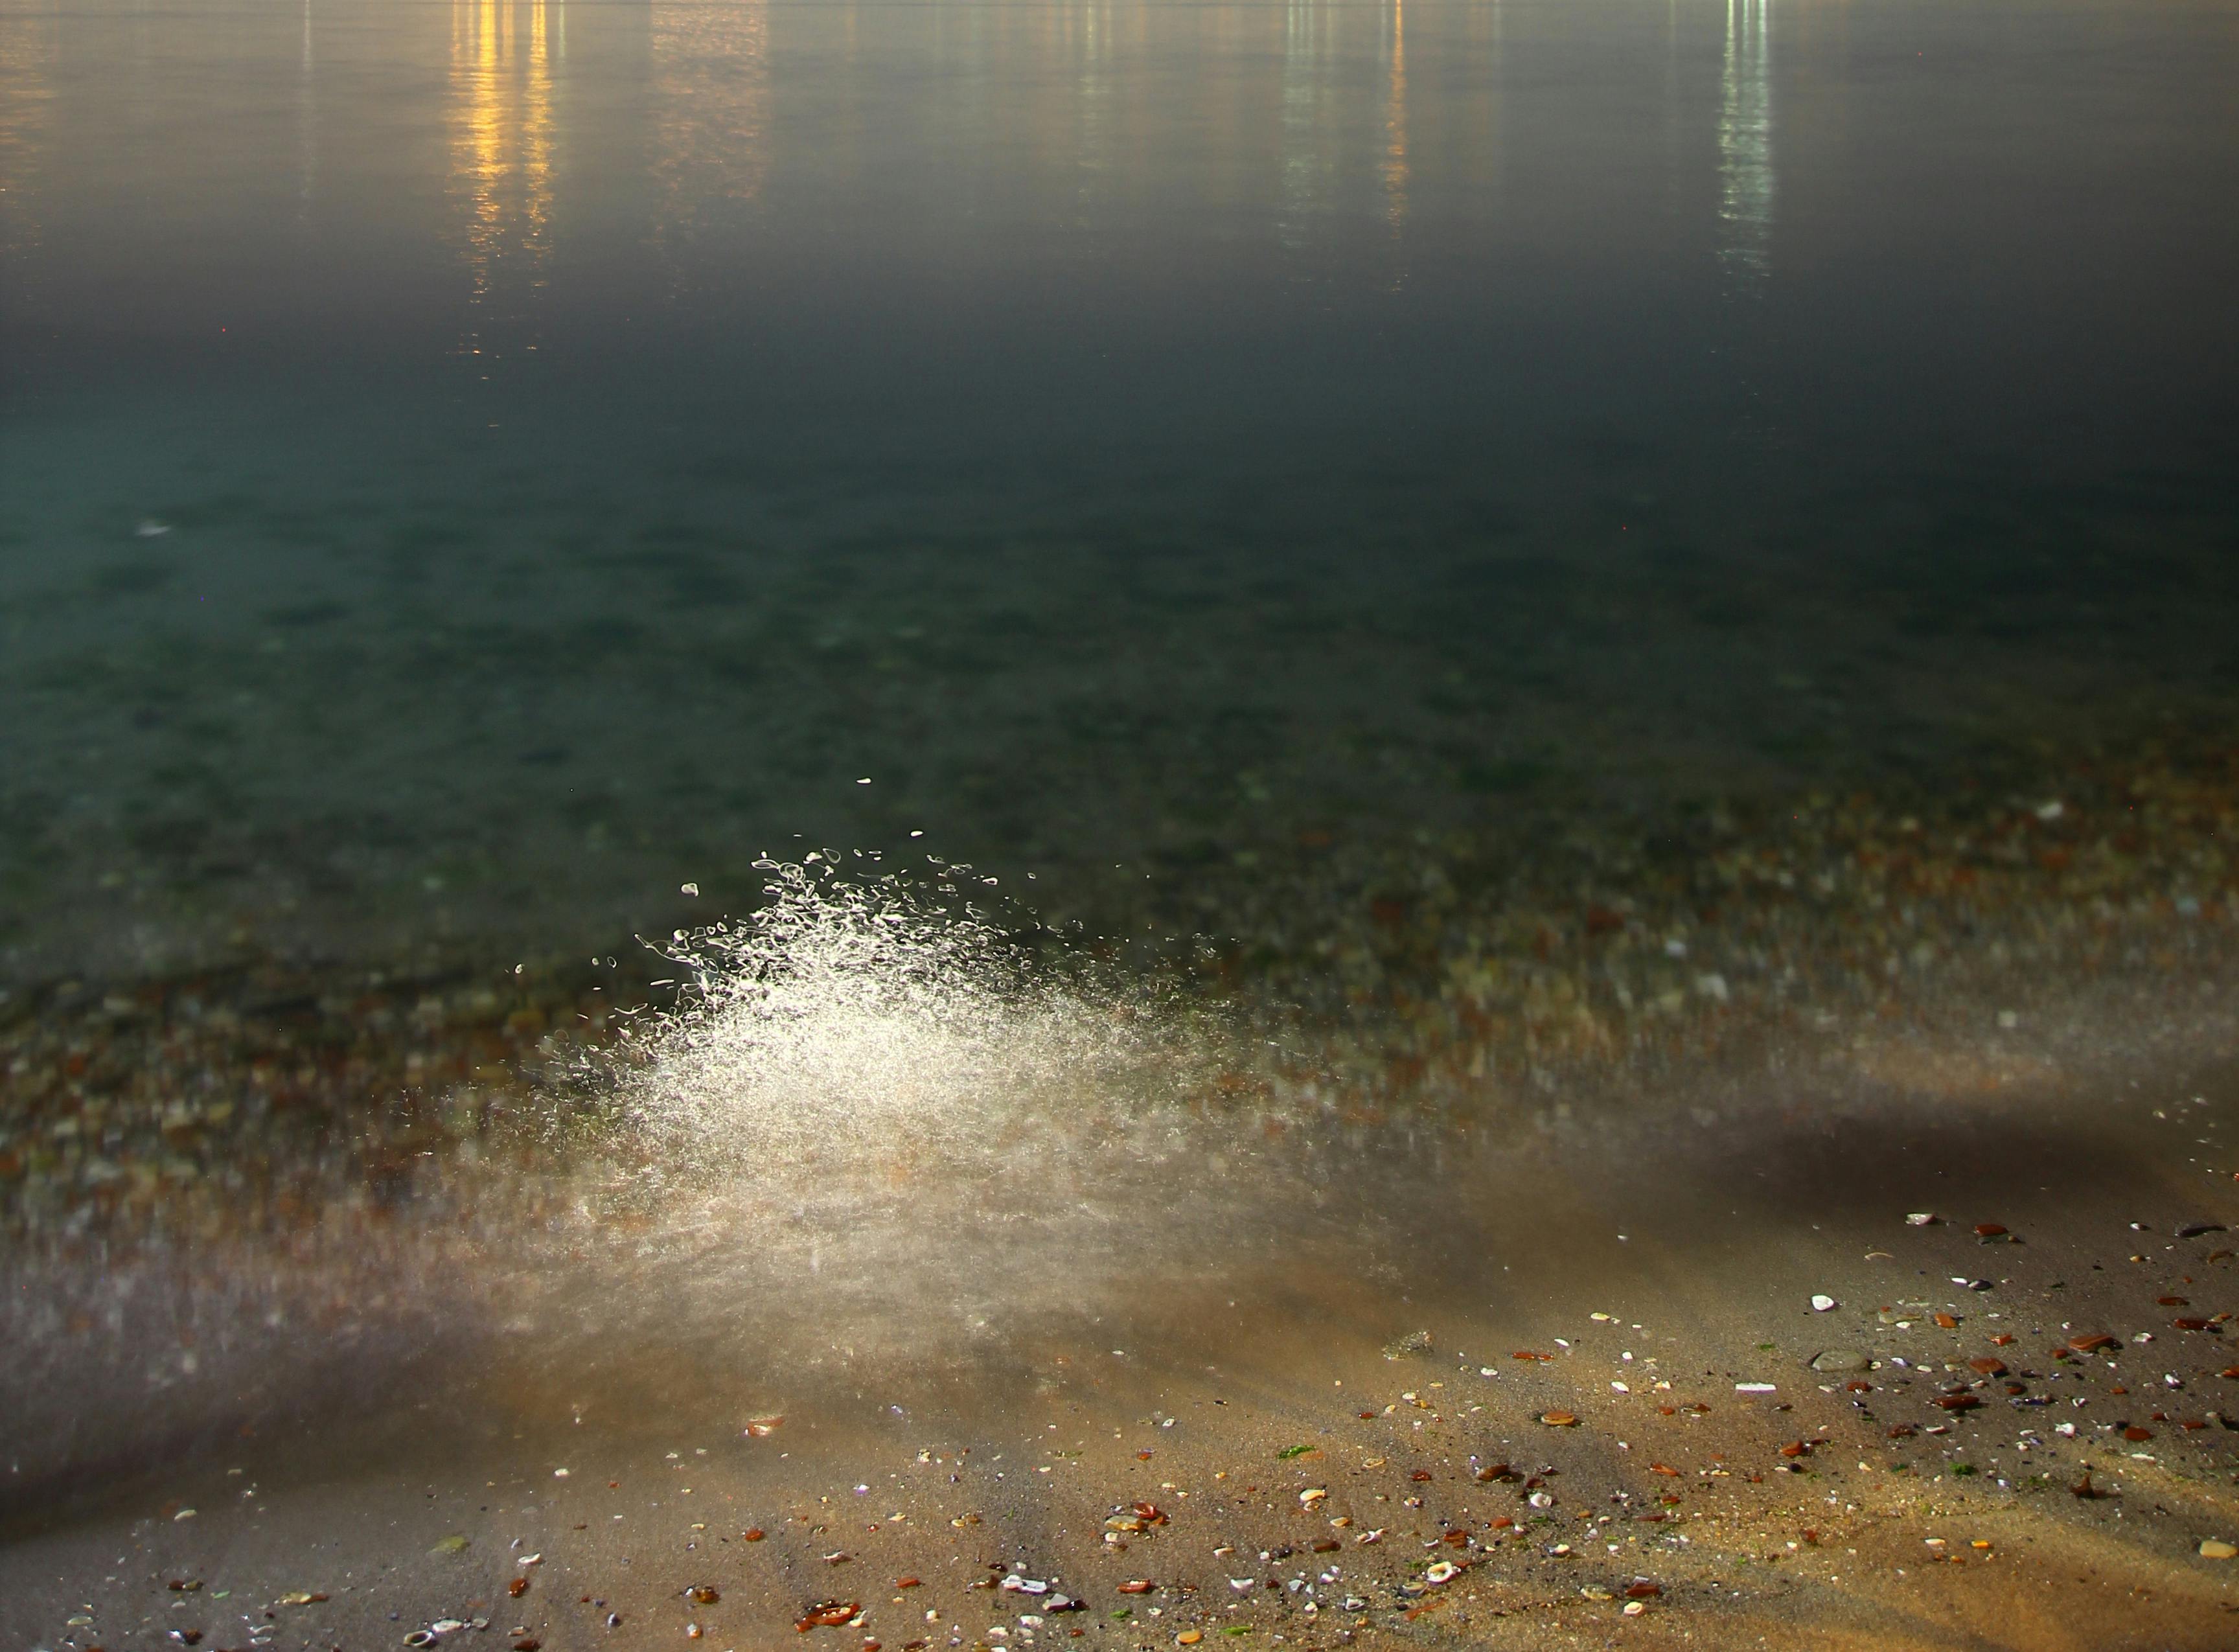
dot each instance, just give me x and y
(908, 1582)
(1988, 1231)
(2135, 1433)
(2191, 1324)
(2092, 1345)
(1420, 1474)
(753, 1534)
(1987, 1366)
(2001, 1340)
(2173, 1302)
(1136, 1585)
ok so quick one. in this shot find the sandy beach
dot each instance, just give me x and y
(1792, 1323)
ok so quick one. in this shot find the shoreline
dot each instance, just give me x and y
(360, 1283)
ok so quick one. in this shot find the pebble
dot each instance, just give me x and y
(2217, 1549)
(1821, 1305)
(1840, 1359)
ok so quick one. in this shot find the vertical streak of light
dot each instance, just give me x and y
(1745, 169)
(29, 52)
(502, 134)
(711, 87)
(1395, 122)
(536, 142)
(1673, 146)
(1496, 89)
(1094, 104)
(307, 117)
(1301, 192)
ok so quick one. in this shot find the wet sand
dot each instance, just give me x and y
(360, 1340)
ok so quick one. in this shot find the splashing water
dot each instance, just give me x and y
(850, 1025)
(872, 1133)
(869, 1113)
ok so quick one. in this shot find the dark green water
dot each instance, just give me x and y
(472, 466)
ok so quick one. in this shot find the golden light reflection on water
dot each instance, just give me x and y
(1745, 170)
(502, 132)
(711, 101)
(1395, 121)
(29, 46)
(1330, 133)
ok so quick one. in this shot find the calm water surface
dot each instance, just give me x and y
(472, 465)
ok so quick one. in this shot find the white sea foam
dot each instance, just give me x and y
(869, 1117)
(853, 1022)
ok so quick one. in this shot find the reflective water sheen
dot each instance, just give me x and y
(471, 466)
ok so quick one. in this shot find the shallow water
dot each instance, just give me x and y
(472, 468)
